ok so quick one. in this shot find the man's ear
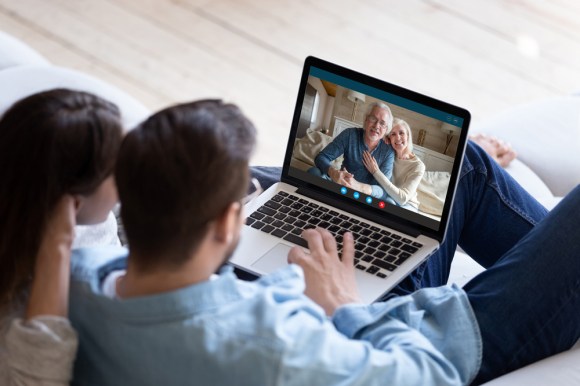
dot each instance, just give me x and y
(227, 226)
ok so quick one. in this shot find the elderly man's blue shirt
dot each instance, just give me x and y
(351, 144)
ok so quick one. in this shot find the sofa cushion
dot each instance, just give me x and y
(546, 135)
(561, 369)
(15, 53)
(19, 82)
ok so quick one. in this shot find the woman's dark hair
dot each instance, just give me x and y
(52, 143)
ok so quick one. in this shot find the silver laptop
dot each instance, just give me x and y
(390, 240)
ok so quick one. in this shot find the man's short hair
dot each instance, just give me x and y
(177, 172)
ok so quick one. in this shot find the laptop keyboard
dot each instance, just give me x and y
(377, 251)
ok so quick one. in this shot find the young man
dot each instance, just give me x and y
(182, 175)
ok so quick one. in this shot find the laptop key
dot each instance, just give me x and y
(297, 205)
(367, 258)
(266, 210)
(278, 224)
(272, 204)
(250, 221)
(268, 219)
(409, 248)
(403, 256)
(355, 228)
(285, 209)
(360, 266)
(366, 232)
(280, 216)
(416, 244)
(287, 227)
(372, 269)
(277, 198)
(396, 243)
(381, 275)
(258, 225)
(314, 221)
(267, 228)
(385, 265)
(257, 215)
(296, 240)
(299, 224)
(278, 233)
(380, 254)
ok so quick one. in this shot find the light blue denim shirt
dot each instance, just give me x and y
(351, 144)
(230, 332)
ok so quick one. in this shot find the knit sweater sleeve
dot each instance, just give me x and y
(40, 351)
(405, 188)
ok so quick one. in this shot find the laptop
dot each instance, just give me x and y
(390, 240)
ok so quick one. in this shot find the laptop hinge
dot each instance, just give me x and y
(369, 215)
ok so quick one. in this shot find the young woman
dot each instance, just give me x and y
(57, 153)
(408, 169)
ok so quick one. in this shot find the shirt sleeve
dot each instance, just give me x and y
(374, 345)
(333, 150)
(41, 351)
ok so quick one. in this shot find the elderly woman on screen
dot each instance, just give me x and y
(408, 169)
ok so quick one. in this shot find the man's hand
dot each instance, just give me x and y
(339, 176)
(330, 281)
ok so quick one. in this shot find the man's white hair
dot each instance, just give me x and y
(382, 106)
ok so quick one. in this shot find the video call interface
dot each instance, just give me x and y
(335, 117)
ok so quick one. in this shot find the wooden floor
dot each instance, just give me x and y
(484, 55)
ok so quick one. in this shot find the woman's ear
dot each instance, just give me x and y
(228, 225)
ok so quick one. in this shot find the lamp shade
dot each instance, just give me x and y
(355, 96)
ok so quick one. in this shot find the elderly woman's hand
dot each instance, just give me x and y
(370, 162)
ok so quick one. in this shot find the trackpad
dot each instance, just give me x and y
(274, 259)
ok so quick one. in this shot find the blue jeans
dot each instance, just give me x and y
(527, 302)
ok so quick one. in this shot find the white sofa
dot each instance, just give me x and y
(547, 175)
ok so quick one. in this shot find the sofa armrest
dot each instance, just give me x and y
(546, 135)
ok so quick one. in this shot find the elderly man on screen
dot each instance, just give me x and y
(352, 143)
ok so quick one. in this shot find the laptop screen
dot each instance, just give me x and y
(344, 146)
